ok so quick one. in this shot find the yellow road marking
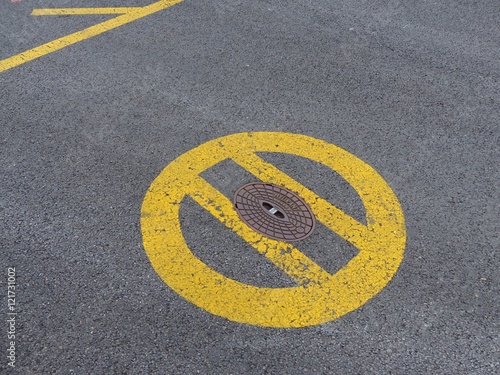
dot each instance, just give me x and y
(332, 217)
(75, 11)
(284, 255)
(319, 296)
(68, 40)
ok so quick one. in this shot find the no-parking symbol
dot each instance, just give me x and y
(319, 295)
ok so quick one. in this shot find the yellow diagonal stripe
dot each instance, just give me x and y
(332, 217)
(80, 11)
(295, 264)
(89, 32)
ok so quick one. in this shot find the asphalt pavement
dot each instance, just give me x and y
(412, 89)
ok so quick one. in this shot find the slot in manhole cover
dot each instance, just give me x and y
(273, 211)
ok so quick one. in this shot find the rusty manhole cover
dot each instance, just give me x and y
(273, 211)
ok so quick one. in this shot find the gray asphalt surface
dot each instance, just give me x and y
(411, 88)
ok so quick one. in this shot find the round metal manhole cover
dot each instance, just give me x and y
(273, 211)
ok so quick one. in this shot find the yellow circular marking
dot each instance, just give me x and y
(319, 296)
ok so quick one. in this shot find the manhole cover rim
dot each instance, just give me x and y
(302, 215)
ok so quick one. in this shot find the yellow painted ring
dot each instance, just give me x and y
(381, 242)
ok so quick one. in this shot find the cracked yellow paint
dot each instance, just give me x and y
(319, 296)
(126, 15)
